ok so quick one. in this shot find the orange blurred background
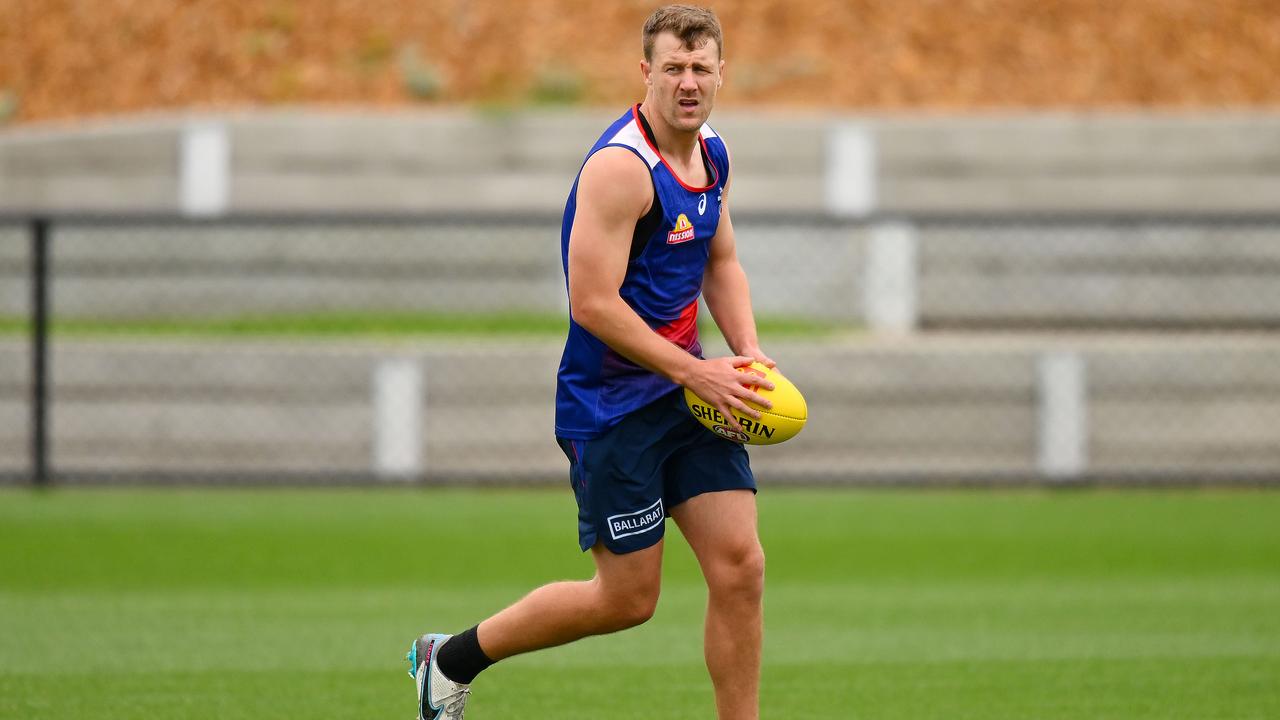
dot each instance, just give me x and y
(74, 58)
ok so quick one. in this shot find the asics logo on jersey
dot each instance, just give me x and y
(682, 232)
(702, 204)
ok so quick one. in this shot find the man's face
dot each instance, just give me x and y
(683, 82)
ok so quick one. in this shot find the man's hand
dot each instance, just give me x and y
(757, 355)
(719, 382)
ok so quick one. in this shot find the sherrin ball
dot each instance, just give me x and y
(781, 422)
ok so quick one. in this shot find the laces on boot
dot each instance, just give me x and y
(454, 708)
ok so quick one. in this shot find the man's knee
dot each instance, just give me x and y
(739, 570)
(626, 607)
(638, 609)
(627, 587)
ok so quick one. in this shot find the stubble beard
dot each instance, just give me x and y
(688, 123)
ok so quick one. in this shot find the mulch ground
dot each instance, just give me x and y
(72, 58)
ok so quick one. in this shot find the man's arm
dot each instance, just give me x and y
(728, 295)
(614, 192)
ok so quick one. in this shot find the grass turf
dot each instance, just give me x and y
(285, 604)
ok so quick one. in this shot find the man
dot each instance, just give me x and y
(646, 229)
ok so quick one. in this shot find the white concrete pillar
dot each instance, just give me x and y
(890, 282)
(205, 173)
(851, 170)
(1063, 415)
(399, 396)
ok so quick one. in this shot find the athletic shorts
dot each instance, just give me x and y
(627, 479)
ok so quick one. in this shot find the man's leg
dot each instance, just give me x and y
(623, 594)
(721, 529)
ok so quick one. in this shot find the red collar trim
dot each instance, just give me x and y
(715, 174)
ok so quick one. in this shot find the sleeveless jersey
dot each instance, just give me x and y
(596, 386)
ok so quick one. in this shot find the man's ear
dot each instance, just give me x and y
(644, 71)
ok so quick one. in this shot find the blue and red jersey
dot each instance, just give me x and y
(596, 385)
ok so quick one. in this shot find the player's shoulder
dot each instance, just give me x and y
(718, 152)
(618, 164)
(715, 142)
(615, 179)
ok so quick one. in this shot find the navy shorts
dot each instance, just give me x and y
(627, 479)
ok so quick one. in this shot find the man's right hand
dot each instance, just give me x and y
(720, 383)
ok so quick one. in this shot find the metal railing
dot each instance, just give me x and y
(952, 324)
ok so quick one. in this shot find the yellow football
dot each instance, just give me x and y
(781, 422)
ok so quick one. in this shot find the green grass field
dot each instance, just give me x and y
(181, 604)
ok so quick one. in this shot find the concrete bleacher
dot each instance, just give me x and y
(1185, 273)
(918, 401)
(1186, 162)
(1206, 274)
(474, 161)
(940, 408)
(483, 165)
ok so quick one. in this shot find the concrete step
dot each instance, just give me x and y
(464, 161)
(964, 405)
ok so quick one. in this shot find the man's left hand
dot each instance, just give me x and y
(755, 353)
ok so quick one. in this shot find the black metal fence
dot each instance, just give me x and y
(391, 349)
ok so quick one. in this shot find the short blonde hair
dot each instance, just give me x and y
(693, 25)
